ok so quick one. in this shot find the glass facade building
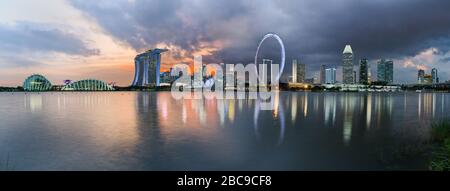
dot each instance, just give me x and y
(363, 71)
(434, 76)
(385, 71)
(88, 85)
(330, 75)
(390, 71)
(37, 82)
(421, 76)
(322, 74)
(347, 65)
(294, 71)
(301, 73)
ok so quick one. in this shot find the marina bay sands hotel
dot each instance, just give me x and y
(147, 68)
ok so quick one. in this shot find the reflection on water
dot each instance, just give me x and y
(33, 102)
(152, 131)
(369, 110)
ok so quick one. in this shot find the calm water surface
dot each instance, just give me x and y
(152, 131)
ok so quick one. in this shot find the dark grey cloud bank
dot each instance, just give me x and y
(19, 40)
(314, 31)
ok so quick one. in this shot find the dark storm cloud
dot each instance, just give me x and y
(314, 31)
(34, 37)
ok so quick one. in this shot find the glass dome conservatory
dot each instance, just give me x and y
(88, 85)
(36, 82)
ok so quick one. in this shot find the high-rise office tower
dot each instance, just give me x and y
(420, 76)
(347, 65)
(301, 73)
(385, 71)
(390, 71)
(330, 75)
(147, 68)
(434, 75)
(322, 74)
(381, 70)
(363, 71)
(294, 71)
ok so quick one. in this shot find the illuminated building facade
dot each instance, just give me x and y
(385, 71)
(434, 76)
(147, 68)
(363, 71)
(330, 75)
(347, 65)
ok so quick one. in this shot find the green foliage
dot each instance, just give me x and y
(440, 133)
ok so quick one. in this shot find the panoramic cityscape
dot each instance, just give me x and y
(148, 76)
(273, 86)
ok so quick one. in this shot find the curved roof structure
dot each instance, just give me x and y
(88, 85)
(36, 82)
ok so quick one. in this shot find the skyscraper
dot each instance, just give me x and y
(301, 73)
(363, 71)
(385, 71)
(330, 75)
(322, 74)
(347, 65)
(294, 71)
(420, 76)
(434, 76)
(390, 71)
(381, 70)
(147, 68)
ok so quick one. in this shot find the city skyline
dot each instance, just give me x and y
(102, 38)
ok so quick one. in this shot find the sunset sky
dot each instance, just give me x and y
(65, 39)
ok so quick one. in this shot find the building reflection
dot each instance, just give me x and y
(221, 111)
(330, 108)
(353, 113)
(277, 114)
(426, 107)
(293, 106)
(276, 106)
(305, 104)
(434, 104)
(405, 102)
(95, 119)
(419, 106)
(368, 110)
(316, 103)
(349, 106)
(230, 109)
(428, 104)
(33, 102)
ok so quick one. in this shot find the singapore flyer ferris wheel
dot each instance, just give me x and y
(283, 56)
